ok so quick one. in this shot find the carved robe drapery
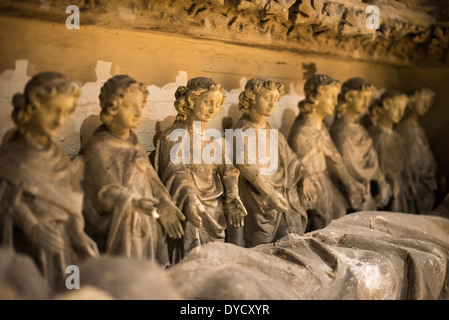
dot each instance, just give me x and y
(323, 161)
(40, 181)
(264, 224)
(116, 172)
(357, 151)
(390, 149)
(209, 182)
(421, 163)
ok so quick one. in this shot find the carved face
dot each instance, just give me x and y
(327, 99)
(358, 100)
(51, 114)
(207, 105)
(393, 108)
(421, 102)
(266, 102)
(129, 111)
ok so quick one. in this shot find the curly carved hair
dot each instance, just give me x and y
(112, 93)
(186, 95)
(353, 84)
(378, 104)
(42, 86)
(312, 92)
(253, 87)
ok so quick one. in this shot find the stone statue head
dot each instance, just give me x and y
(261, 96)
(122, 99)
(199, 100)
(391, 106)
(355, 96)
(48, 99)
(420, 100)
(321, 93)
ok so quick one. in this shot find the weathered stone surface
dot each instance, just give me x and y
(411, 31)
(20, 279)
(125, 279)
(366, 255)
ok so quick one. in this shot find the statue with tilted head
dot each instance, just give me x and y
(202, 184)
(384, 114)
(420, 157)
(41, 201)
(355, 144)
(128, 211)
(274, 189)
(311, 141)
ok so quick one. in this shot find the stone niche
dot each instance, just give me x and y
(163, 43)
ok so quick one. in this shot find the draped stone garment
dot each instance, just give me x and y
(41, 181)
(368, 255)
(209, 182)
(323, 161)
(259, 227)
(116, 172)
(421, 163)
(357, 151)
(392, 160)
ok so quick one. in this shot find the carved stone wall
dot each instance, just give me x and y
(411, 31)
(164, 42)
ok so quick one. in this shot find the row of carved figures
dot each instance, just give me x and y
(110, 199)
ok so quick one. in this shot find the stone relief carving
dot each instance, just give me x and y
(407, 34)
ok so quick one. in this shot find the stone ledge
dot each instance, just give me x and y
(409, 34)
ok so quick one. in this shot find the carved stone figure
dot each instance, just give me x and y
(41, 202)
(205, 190)
(355, 144)
(124, 195)
(310, 139)
(385, 113)
(276, 198)
(419, 156)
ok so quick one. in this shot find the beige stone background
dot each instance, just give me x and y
(164, 61)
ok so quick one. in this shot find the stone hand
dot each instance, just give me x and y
(170, 217)
(275, 200)
(45, 236)
(309, 187)
(356, 194)
(236, 211)
(147, 205)
(194, 210)
(384, 195)
(85, 245)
